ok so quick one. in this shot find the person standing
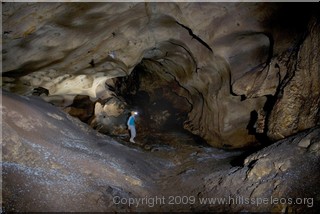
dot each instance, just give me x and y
(132, 126)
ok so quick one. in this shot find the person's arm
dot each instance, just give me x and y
(128, 121)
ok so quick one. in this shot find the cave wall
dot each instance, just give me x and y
(230, 59)
(298, 104)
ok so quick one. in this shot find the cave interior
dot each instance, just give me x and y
(227, 95)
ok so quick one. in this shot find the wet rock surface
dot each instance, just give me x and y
(53, 162)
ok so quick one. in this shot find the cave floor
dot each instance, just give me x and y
(189, 163)
(181, 149)
(159, 164)
(53, 162)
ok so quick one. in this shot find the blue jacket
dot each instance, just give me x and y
(131, 121)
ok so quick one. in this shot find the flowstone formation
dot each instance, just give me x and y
(230, 72)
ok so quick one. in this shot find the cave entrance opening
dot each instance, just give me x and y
(154, 92)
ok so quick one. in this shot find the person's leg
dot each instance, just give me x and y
(130, 132)
(133, 133)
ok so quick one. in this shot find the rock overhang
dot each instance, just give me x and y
(226, 52)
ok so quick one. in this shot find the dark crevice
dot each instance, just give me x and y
(239, 160)
(92, 63)
(251, 125)
(243, 97)
(252, 163)
(40, 90)
(195, 36)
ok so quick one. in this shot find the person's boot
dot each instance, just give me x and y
(131, 140)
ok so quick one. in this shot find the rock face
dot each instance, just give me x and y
(221, 65)
(298, 103)
(277, 174)
(52, 162)
(49, 161)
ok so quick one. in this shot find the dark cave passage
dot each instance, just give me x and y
(156, 95)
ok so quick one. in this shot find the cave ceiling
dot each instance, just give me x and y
(234, 64)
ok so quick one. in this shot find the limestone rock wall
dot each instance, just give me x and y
(299, 102)
(230, 58)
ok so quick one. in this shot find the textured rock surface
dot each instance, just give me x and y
(283, 171)
(52, 162)
(298, 105)
(229, 60)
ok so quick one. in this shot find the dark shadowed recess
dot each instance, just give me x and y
(154, 93)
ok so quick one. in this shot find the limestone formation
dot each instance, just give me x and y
(223, 60)
(109, 118)
(299, 102)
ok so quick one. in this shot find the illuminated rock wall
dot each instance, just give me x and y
(230, 59)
